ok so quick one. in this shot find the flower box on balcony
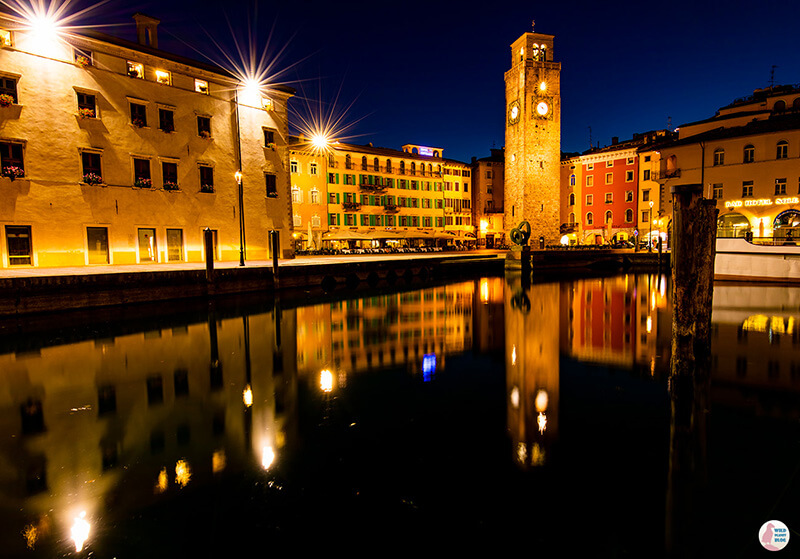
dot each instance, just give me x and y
(6, 100)
(13, 172)
(86, 113)
(169, 185)
(208, 188)
(92, 179)
(143, 183)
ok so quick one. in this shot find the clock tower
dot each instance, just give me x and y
(533, 138)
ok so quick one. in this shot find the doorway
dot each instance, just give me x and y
(147, 245)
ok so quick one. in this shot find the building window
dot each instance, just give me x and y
(11, 160)
(717, 191)
(315, 196)
(780, 187)
(92, 171)
(315, 221)
(206, 178)
(719, 157)
(590, 166)
(8, 91)
(138, 115)
(589, 199)
(645, 195)
(201, 86)
(628, 176)
(590, 180)
(293, 166)
(609, 216)
(571, 200)
(135, 69)
(747, 189)
(5, 38)
(271, 181)
(609, 164)
(141, 173)
(645, 217)
(630, 161)
(589, 218)
(782, 151)
(297, 221)
(312, 169)
(169, 175)
(18, 245)
(86, 105)
(269, 138)
(163, 77)
(629, 196)
(609, 197)
(166, 120)
(609, 178)
(297, 195)
(364, 163)
(646, 174)
(749, 154)
(348, 162)
(204, 126)
(628, 216)
(572, 180)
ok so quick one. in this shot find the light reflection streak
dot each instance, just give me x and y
(183, 473)
(80, 531)
(267, 457)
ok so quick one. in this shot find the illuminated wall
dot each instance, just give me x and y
(113, 107)
(153, 411)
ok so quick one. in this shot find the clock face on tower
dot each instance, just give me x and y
(542, 109)
(513, 113)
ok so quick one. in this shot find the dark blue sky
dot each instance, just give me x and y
(432, 72)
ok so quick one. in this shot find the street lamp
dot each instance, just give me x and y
(238, 176)
(650, 235)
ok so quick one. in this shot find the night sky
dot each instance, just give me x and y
(431, 73)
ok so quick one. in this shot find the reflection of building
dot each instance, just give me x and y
(532, 370)
(488, 315)
(533, 137)
(616, 321)
(144, 158)
(488, 179)
(746, 157)
(382, 331)
(110, 425)
(754, 347)
(350, 195)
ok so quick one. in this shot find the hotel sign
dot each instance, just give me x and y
(762, 202)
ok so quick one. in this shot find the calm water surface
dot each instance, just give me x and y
(459, 416)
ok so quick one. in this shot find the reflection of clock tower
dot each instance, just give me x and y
(533, 138)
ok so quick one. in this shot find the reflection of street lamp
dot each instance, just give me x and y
(650, 235)
(238, 176)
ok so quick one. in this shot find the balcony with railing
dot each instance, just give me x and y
(351, 206)
(391, 208)
(664, 174)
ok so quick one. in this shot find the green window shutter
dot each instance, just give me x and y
(337, 198)
(337, 178)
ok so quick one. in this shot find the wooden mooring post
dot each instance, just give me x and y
(693, 251)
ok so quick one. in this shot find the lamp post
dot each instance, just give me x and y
(650, 235)
(238, 176)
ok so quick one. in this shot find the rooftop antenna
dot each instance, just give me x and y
(772, 77)
(669, 123)
(533, 24)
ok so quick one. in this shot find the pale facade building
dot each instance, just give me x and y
(488, 177)
(745, 156)
(361, 196)
(114, 152)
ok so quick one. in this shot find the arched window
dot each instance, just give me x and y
(388, 165)
(436, 154)
(628, 215)
(672, 165)
(364, 163)
(779, 106)
(572, 199)
(782, 151)
(439, 170)
(430, 169)
(415, 151)
(589, 218)
(732, 225)
(609, 216)
(348, 161)
(413, 168)
(572, 180)
(376, 164)
(719, 157)
(402, 167)
(749, 154)
(572, 218)
(796, 104)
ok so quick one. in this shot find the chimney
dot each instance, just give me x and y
(614, 140)
(146, 30)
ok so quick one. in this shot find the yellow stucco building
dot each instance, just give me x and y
(115, 152)
(350, 196)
